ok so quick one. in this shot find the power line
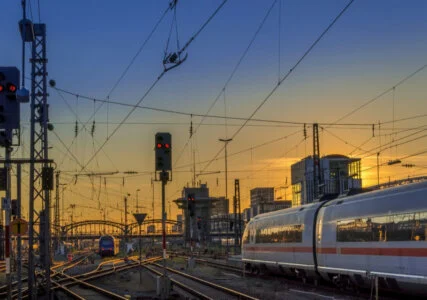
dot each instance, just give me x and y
(381, 94)
(393, 143)
(341, 139)
(306, 53)
(246, 150)
(126, 69)
(402, 158)
(83, 128)
(132, 61)
(203, 116)
(152, 86)
(236, 67)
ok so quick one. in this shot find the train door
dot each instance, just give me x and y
(252, 232)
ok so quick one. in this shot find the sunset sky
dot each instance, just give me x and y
(370, 49)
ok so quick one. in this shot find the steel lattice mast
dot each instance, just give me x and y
(39, 191)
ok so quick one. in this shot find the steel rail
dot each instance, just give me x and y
(210, 284)
(93, 287)
(182, 286)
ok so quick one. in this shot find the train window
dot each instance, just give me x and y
(246, 234)
(276, 233)
(387, 228)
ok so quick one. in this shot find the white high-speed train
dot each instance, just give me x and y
(347, 240)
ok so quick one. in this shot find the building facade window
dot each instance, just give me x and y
(296, 194)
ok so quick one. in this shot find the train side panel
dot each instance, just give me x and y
(381, 234)
(281, 240)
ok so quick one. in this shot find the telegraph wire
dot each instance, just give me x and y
(306, 53)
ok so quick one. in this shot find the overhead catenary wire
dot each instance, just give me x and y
(402, 158)
(402, 81)
(233, 72)
(151, 88)
(284, 78)
(247, 149)
(203, 116)
(381, 148)
(123, 74)
(83, 127)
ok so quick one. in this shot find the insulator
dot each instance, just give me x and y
(93, 128)
(76, 129)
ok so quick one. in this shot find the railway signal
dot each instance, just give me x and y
(163, 149)
(199, 223)
(191, 204)
(9, 105)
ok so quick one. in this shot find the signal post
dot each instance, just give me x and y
(163, 173)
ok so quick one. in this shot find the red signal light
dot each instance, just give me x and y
(1, 88)
(11, 88)
(159, 145)
(167, 146)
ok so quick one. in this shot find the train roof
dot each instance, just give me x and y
(383, 193)
(286, 211)
(380, 193)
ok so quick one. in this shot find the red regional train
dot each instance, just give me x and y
(348, 240)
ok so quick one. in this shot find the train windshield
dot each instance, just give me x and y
(106, 242)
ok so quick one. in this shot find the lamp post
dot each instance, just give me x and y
(137, 207)
(226, 141)
(139, 219)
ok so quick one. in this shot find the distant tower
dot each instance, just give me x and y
(316, 162)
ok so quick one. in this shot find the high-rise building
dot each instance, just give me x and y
(338, 175)
(262, 195)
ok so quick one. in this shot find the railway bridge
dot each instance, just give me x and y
(90, 229)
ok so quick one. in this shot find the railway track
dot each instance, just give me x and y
(197, 287)
(298, 286)
(2, 266)
(75, 261)
(79, 288)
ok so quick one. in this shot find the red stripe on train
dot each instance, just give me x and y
(417, 252)
(278, 249)
(413, 252)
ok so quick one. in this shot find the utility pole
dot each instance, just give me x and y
(8, 209)
(316, 162)
(226, 141)
(126, 217)
(163, 164)
(237, 215)
(40, 178)
(56, 220)
(19, 212)
(378, 168)
(137, 207)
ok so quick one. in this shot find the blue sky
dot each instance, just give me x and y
(374, 45)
